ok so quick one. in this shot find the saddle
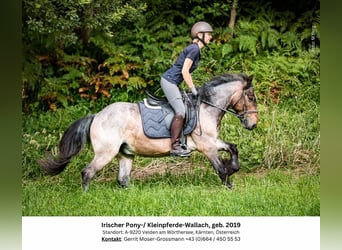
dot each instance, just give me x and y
(157, 114)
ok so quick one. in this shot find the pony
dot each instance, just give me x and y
(117, 131)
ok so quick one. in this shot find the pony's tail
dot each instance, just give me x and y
(70, 145)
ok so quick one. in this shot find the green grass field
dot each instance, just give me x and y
(194, 192)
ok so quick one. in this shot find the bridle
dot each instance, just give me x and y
(230, 110)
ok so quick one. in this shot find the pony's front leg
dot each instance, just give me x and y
(230, 165)
(233, 163)
(212, 152)
(125, 167)
(211, 147)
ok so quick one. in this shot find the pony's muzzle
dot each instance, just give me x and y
(250, 127)
(249, 124)
(250, 120)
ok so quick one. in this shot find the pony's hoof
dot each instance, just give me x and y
(229, 185)
(124, 182)
(85, 187)
(123, 187)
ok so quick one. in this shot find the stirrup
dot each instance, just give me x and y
(180, 151)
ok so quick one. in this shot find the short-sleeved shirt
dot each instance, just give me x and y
(174, 74)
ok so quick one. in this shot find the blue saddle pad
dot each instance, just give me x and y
(156, 120)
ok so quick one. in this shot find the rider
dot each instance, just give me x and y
(181, 70)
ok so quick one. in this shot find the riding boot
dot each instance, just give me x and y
(176, 130)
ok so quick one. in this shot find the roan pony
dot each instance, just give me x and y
(117, 131)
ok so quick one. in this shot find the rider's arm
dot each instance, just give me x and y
(186, 72)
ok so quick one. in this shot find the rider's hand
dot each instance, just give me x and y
(194, 91)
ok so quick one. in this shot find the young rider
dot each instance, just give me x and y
(181, 71)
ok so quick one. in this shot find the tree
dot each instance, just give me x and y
(63, 23)
(60, 56)
(233, 14)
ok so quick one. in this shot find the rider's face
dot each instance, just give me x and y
(207, 37)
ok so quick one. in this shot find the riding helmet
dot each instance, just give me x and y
(200, 27)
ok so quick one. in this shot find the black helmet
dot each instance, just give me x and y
(200, 27)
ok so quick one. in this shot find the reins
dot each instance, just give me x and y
(234, 113)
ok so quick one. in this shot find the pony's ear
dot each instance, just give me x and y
(249, 80)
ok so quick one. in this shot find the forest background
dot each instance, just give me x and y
(80, 56)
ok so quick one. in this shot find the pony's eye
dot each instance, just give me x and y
(251, 98)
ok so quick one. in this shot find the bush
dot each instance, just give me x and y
(121, 51)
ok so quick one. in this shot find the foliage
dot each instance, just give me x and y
(276, 47)
(64, 23)
(102, 51)
(275, 143)
(61, 65)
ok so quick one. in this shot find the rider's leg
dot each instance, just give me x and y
(174, 97)
(176, 130)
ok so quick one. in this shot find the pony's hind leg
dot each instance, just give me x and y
(99, 161)
(125, 167)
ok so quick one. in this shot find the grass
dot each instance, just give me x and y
(272, 192)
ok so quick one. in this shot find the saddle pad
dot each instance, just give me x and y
(156, 121)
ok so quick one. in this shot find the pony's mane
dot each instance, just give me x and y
(206, 91)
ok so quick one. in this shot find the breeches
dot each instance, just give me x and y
(173, 95)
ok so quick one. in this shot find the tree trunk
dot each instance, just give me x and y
(86, 17)
(233, 14)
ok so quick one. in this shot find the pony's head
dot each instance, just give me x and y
(234, 92)
(245, 104)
